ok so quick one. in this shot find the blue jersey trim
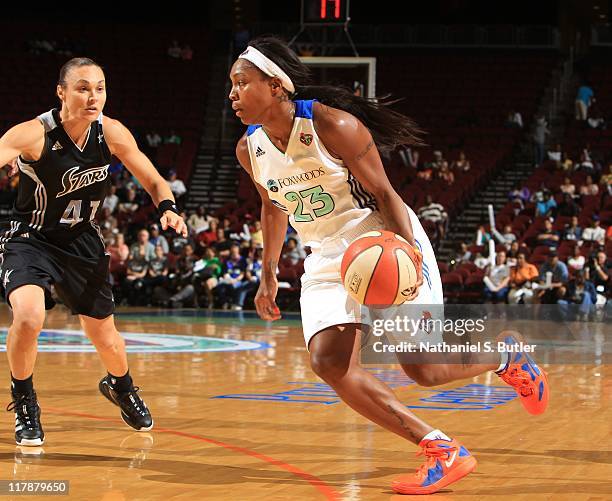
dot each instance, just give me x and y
(303, 108)
(252, 128)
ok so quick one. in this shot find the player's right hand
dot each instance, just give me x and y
(265, 300)
(13, 167)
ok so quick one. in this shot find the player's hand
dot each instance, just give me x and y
(173, 220)
(411, 293)
(265, 299)
(13, 167)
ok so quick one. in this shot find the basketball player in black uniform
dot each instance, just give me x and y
(51, 238)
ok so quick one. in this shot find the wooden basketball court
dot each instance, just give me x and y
(238, 420)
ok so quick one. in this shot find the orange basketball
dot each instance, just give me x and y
(378, 268)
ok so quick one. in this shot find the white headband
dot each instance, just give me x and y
(268, 66)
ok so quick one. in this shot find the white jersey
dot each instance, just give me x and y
(318, 192)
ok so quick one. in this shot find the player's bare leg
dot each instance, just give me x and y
(117, 386)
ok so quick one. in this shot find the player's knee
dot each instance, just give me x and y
(428, 375)
(109, 341)
(28, 325)
(329, 367)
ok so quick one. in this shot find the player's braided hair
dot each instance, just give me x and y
(388, 128)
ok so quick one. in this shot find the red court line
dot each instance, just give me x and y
(316, 482)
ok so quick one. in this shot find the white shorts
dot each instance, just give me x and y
(324, 301)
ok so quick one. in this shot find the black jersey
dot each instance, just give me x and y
(59, 194)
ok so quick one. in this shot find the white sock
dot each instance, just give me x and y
(436, 435)
(505, 359)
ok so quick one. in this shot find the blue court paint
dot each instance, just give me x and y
(472, 397)
(74, 341)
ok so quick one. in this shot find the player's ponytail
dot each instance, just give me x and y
(388, 128)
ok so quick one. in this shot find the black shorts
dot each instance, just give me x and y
(79, 270)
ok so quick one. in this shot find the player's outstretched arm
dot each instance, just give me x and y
(123, 145)
(25, 138)
(274, 228)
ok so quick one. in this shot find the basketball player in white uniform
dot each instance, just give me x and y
(316, 164)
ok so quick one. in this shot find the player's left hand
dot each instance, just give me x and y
(173, 220)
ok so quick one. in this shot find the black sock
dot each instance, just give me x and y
(22, 386)
(122, 383)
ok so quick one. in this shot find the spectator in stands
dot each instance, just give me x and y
(548, 236)
(598, 270)
(573, 231)
(153, 139)
(208, 237)
(555, 155)
(119, 253)
(409, 157)
(130, 204)
(497, 279)
(521, 196)
(425, 172)
(462, 164)
(586, 162)
(183, 280)
(112, 200)
(136, 271)
(539, 139)
(435, 213)
(482, 235)
(463, 256)
(514, 120)
(568, 187)
(293, 251)
(234, 269)
(157, 239)
(252, 277)
(582, 292)
(606, 181)
(222, 245)
(176, 186)
(200, 220)
(438, 160)
(568, 207)
(174, 51)
(506, 238)
(157, 272)
(257, 235)
(512, 255)
(567, 164)
(173, 138)
(446, 175)
(589, 187)
(576, 261)
(208, 270)
(584, 99)
(107, 222)
(143, 247)
(559, 276)
(595, 232)
(187, 53)
(481, 261)
(521, 277)
(547, 206)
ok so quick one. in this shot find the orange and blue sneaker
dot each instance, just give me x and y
(524, 375)
(445, 463)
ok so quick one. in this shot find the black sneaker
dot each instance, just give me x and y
(133, 409)
(28, 430)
